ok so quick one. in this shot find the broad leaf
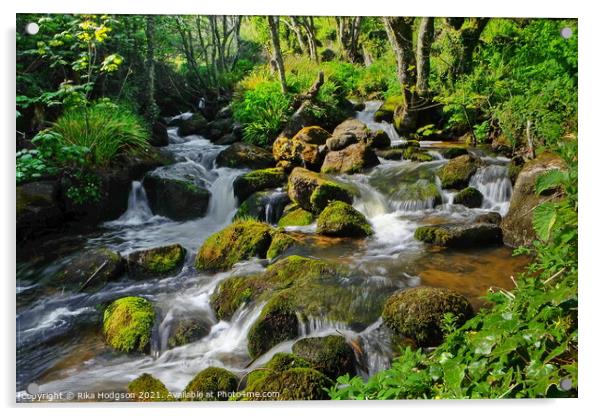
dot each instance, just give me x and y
(544, 218)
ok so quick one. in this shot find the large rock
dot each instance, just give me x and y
(517, 225)
(258, 180)
(417, 313)
(303, 149)
(156, 262)
(128, 323)
(469, 197)
(340, 219)
(351, 159)
(239, 241)
(331, 355)
(177, 199)
(90, 270)
(277, 322)
(187, 330)
(457, 172)
(243, 155)
(196, 124)
(349, 132)
(159, 135)
(312, 191)
(218, 128)
(294, 215)
(460, 235)
(211, 384)
(37, 208)
(265, 206)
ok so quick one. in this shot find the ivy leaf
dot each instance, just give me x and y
(544, 218)
(550, 180)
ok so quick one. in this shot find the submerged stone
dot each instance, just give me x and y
(457, 172)
(460, 235)
(185, 331)
(469, 197)
(417, 313)
(90, 269)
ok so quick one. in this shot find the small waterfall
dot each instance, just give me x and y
(366, 116)
(274, 205)
(138, 211)
(493, 182)
(447, 197)
(375, 342)
(223, 203)
(312, 326)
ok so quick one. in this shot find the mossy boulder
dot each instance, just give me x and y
(211, 384)
(349, 132)
(178, 199)
(387, 109)
(417, 313)
(460, 235)
(147, 388)
(243, 155)
(393, 153)
(281, 242)
(292, 384)
(312, 135)
(312, 191)
(281, 361)
(37, 208)
(331, 355)
(264, 206)
(378, 139)
(457, 172)
(185, 331)
(452, 152)
(342, 220)
(258, 180)
(294, 215)
(517, 225)
(196, 124)
(352, 159)
(416, 154)
(277, 322)
(90, 270)
(155, 262)
(239, 241)
(128, 323)
(469, 197)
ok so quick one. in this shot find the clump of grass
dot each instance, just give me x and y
(108, 130)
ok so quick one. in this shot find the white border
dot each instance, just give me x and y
(589, 175)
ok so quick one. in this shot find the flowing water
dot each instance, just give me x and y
(58, 342)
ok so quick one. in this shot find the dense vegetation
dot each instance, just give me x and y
(92, 89)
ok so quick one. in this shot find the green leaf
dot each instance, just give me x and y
(544, 218)
(550, 180)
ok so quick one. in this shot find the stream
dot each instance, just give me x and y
(59, 345)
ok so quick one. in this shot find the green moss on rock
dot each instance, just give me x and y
(128, 323)
(416, 155)
(417, 313)
(452, 152)
(159, 261)
(258, 180)
(147, 388)
(211, 384)
(469, 197)
(342, 220)
(277, 322)
(457, 172)
(186, 331)
(328, 192)
(90, 270)
(387, 109)
(303, 189)
(460, 235)
(280, 243)
(292, 384)
(296, 216)
(331, 355)
(239, 241)
(281, 361)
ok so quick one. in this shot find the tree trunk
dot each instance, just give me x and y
(399, 32)
(348, 32)
(277, 52)
(151, 111)
(423, 54)
(468, 31)
(292, 23)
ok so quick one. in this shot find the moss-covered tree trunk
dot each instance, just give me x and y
(348, 33)
(277, 52)
(466, 32)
